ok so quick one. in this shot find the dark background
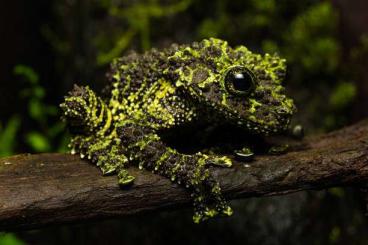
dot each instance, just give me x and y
(46, 46)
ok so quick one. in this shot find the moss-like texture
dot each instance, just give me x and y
(203, 82)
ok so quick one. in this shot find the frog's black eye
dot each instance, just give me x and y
(239, 81)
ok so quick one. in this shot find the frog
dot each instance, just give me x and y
(150, 93)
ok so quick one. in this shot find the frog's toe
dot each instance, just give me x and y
(245, 153)
(107, 167)
(210, 212)
(221, 161)
(228, 211)
(278, 149)
(298, 132)
(108, 170)
(109, 162)
(125, 178)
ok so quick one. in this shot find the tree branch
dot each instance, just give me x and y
(37, 190)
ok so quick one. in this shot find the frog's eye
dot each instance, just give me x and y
(239, 80)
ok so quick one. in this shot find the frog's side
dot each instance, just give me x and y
(207, 81)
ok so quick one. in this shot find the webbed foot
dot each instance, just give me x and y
(207, 207)
(107, 154)
(125, 178)
(223, 161)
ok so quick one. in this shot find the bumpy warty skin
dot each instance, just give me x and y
(158, 90)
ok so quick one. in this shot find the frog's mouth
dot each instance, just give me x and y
(266, 120)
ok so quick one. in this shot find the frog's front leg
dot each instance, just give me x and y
(146, 148)
(89, 116)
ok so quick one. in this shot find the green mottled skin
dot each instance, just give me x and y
(178, 86)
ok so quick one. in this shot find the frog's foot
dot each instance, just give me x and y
(278, 149)
(114, 161)
(125, 178)
(209, 206)
(109, 156)
(207, 213)
(222, 161)
(111, 161)
(244, 153)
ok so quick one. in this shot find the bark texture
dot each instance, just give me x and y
(37, 190)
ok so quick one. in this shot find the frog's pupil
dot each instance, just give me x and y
(242, 81)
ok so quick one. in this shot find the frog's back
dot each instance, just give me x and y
(140, 90)
(134, 70)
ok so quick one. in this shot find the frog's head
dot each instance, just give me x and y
(243, 87)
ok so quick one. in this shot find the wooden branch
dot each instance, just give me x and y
(37, 190)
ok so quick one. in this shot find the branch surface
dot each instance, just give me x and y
(37, 190)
